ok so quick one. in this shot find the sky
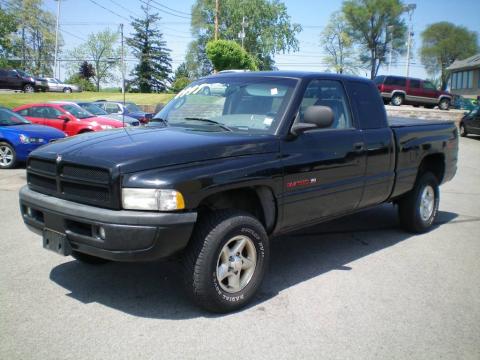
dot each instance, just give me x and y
(78, 18)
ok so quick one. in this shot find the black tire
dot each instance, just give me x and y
(212, 233)
(463, 130)
(409, 207)
(8, 156)
(67, 90)
(88, 259)
(397, 100)
(28, 88)
(444, 104)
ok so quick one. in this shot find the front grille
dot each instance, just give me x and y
(79, 183)
(86, 173)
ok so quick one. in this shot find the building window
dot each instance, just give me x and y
(453, 81)
(470, 79)
(459, 80)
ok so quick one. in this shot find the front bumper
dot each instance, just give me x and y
(129, 235)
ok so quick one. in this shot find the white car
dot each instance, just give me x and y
(56, 85)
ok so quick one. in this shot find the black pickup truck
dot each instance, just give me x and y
(218, 173)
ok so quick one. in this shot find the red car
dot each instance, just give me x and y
(69, 118)
(401, 90)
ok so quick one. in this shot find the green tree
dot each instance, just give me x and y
(102, 50)
(338, 44)
(155, 64)
(8, 26)
(269, 31)
(181, 78)
(373, 24)
(442, 44)
(227, 54)
(79, 80)
(34, 41)
(86, 70)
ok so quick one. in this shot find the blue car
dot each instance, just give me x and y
(18, 138)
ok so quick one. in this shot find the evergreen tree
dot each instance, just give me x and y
(152, 72)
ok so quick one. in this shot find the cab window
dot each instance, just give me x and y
(328, 93)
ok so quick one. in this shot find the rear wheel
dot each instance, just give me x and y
(226, 260)
(8, 157)
(463, 130)
(67, 90)
(418, 209)
(444, 104)
(88, 259)
(397, 99)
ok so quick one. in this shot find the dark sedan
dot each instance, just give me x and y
(470, 123)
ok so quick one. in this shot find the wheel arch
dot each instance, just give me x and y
(259, 201)
(434, 163)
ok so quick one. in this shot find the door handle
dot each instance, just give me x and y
(359, 147)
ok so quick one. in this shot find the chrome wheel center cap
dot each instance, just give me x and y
(236, 263)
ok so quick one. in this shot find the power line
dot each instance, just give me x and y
(123, 7)
(168, 8)
(111, 11)
(161, 10)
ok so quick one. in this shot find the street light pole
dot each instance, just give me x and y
(242, 34)
(122, 64)
(409, 8)
(56, 41)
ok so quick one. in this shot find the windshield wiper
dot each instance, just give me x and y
(223, 126)
(159, 119)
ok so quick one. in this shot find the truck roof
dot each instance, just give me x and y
(289, 74)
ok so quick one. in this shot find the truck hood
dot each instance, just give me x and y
(137, 149)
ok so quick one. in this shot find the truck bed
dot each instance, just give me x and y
(397, 122)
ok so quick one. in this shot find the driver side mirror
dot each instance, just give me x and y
(63, 117)
(315, 117)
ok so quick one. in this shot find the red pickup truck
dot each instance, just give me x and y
(69, 118)
(400, 90)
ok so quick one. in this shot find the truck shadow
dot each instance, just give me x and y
(154, 290)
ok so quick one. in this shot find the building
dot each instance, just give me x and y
(465, 77)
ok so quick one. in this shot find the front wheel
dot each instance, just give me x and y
(67, 90)
(28, 88)
(8, 157)
(226, 260)
(444, 104)
(418, 209)
(463, 130)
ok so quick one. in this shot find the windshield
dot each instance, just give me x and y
(23, 73)
(93, 109)
(236, 103)
(77, 111)
(8, 117)
(133, 107)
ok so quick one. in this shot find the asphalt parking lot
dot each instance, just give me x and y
(356, 288)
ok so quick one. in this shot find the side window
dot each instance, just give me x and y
(23, 112)
(414, 84)
(111, 108)
(428, 85)
(51, 113)
(328, 93)
(368, 105)
(36, 111)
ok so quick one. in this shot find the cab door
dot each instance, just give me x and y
(323, 168)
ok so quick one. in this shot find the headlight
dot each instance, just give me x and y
(24, 139)
(106, 127)
(152, 199)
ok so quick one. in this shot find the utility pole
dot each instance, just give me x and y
(56, 41)
(217, 10)
(122, 59)
(242, 34)
(390, 29)
(410, 9)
